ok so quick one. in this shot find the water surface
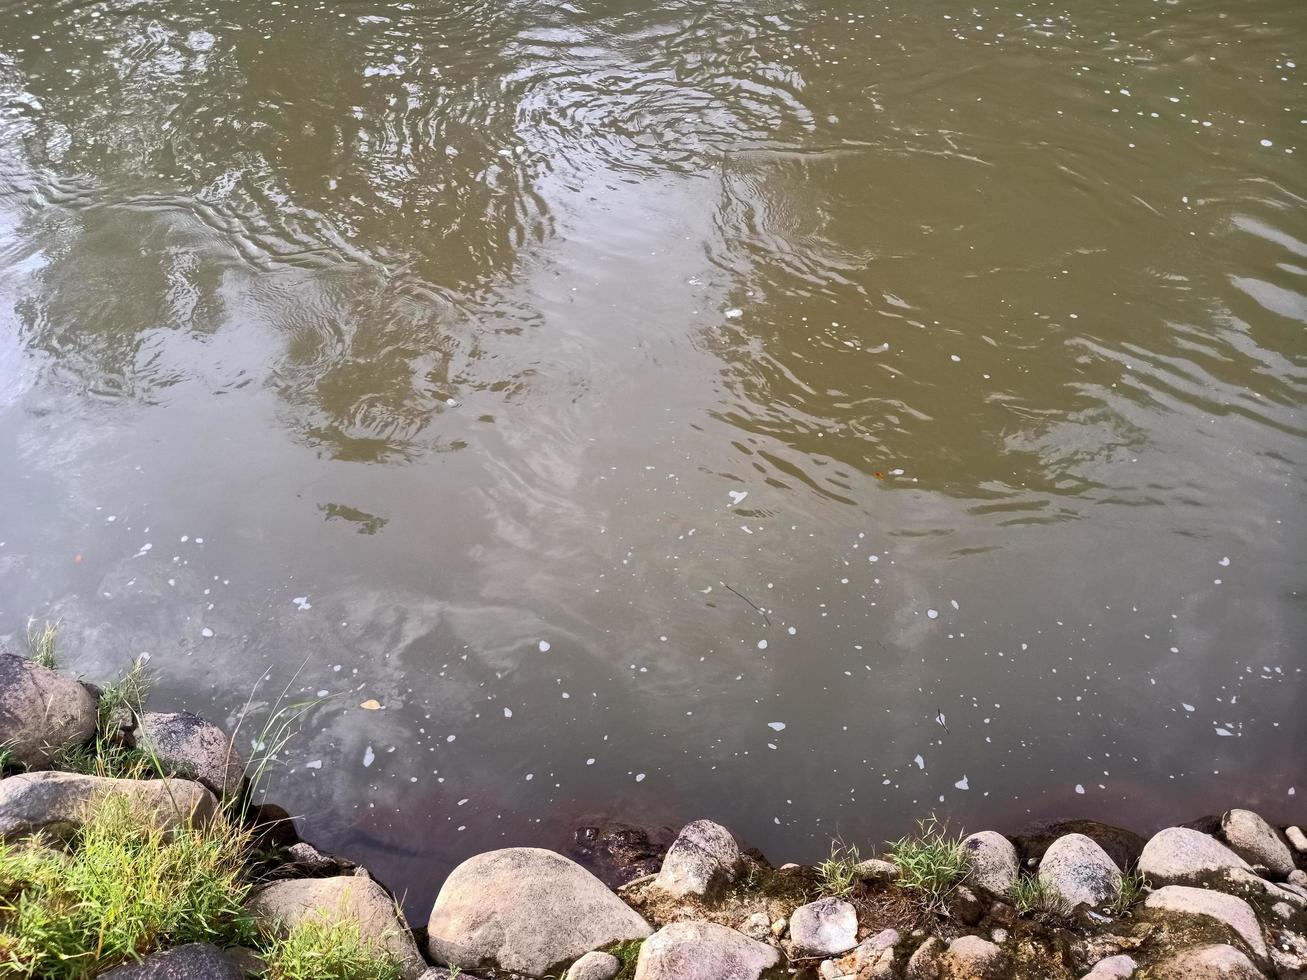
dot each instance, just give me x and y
(807, 416)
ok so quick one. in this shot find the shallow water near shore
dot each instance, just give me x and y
(802, 416)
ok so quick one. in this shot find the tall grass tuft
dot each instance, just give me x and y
(107, 755)
(322, 948)
(930, 863)
(124, 889)
(1030, 896)
(41, 642)
(838, 873)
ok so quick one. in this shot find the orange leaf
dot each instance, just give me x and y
(371, 704)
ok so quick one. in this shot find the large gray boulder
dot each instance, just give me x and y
(347, 898)
(1228, 909)
(1178, 856)
(702, 951)
(702, 859)
(186, 745)
(196, 961)
(992, 860)
(1080, 871)
(1256, 841)
(41, 711)
(826, 927)
(527, 910)
(1215, 962)
(58, 803)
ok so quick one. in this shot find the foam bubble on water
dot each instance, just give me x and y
(1187, 707)
(734, 313)
(544, 646)
(1080, 789)
(315, 764)
(639, 777)
(962, 784)
(737, 496)
(508, 712)
(369, 757)
(932, 613)
(762, 644)
(1224, 562)
(776, 726)
(302, 603)
(921, 762)
(206, 632)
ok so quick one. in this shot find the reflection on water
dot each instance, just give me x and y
(670, 409)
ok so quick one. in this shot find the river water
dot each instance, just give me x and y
(808, 415)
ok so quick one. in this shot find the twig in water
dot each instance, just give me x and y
(750, 602)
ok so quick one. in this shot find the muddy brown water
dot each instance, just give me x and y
(804, 415)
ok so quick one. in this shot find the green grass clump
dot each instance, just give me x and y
(1030, 896)
(1133, 888)
(124, 889)
(838, 873)
(930, 863)
(41, 642)
(627, 952)
(322, 948)
(107, 755)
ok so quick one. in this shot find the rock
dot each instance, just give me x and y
(618, 853)
(57, 803)
(926, 961)
(1177, 856)
(41, 711)
(307, 861)
(874, 869)
(1120, 967)
(703, 858)
(966, 905)
(826, 927)
(1254, 840)
(1234, 912)
(1216, 962)
(757, 926)
(1080, 871)
(284, 903)
(186, 745)
(1283, 909)
(196, 961)
(872, 959)
(527, 910)
(972, 958)
(992, 859)
(1237, 880)
(595, 966)
(780, 927)
(998, 936)
(702, 951)
(1297, 838)
(1298, 878)
(1122, 846)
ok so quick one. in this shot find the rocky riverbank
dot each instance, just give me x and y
(1224, 897)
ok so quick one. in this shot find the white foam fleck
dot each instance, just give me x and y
(544, 646)
(962, 784)
(776, 726)
(369, 756)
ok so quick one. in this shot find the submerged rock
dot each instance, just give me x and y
(1228, 909)
(702, 951)
(195, 961)
(186, 745)
(1122, 846)
(283, 904)
(826, 927)
(702, 860)
(1256, 841)
(1080, 871)
(58, 803)
(617, 852)
(1216, 962)
(1177, 856)
(992, 859)
(525, 909)
(41, 711)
